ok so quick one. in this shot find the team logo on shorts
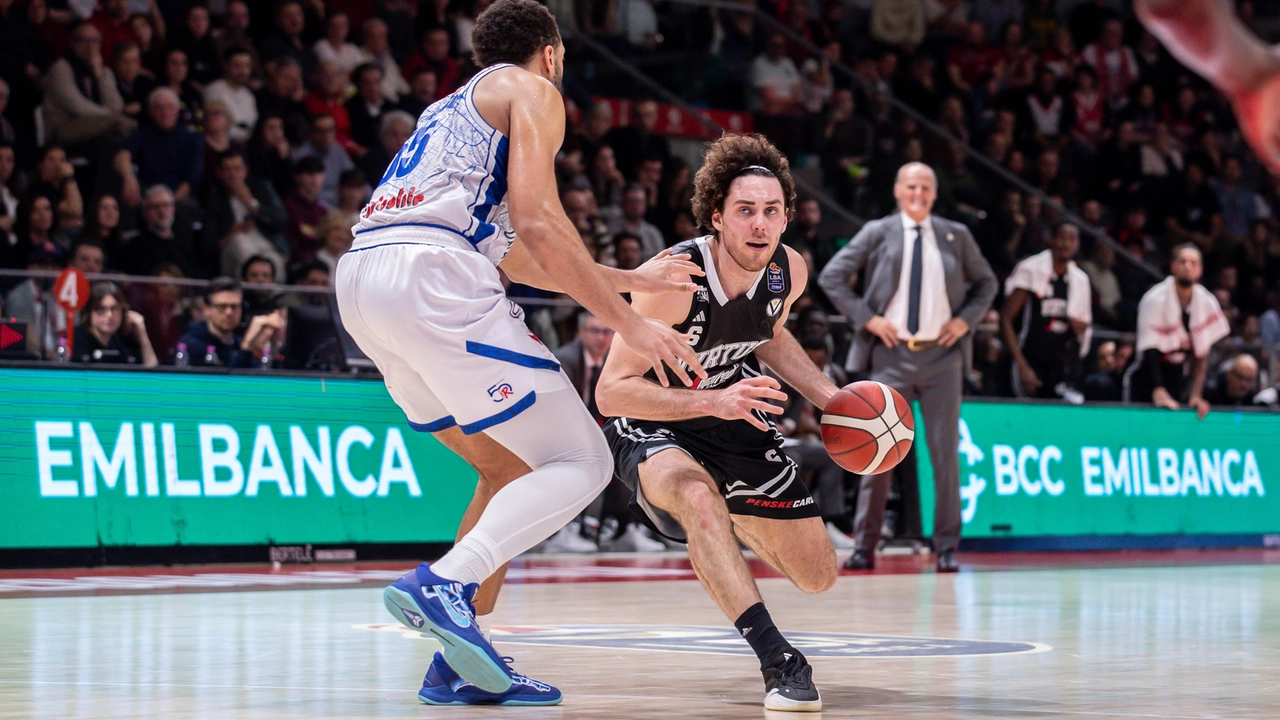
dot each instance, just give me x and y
(775, 306)
(501, 392)
(773, 278)
(516, 311)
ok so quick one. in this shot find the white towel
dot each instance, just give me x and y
(1035, 275)
(1160, 320)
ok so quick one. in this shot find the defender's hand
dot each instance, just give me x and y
(737, 401)
(665, 273)
(661, 345)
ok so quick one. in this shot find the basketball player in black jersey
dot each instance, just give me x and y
(706, 464)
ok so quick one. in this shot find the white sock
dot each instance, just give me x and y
(485, 623)
(572, 465)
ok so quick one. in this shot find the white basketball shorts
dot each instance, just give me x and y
(433, 316)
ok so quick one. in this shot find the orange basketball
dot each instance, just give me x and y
(867, 427)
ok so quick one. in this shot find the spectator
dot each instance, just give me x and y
(1114, 62)
(35, 228)
(1161, 158)
(433, 55)
(164, 152)
(366, 108)
(335, 229)
(607, 182)
(232, 90)
(82, 102)
(971, 62)
(775, 80)
(322, 144)
(285, 96)
(217, 334)
(997, 15)
(1020, 62)
(632, 221)
(165, 309)
(111, 332)
(1103, 384)
(235, 33)
(1118, 166)
(133, 82)
(327, 98)
(304, 210)
(628, 252)
(316, 274)
(87, 257)
(639, 140)
(1053, 297)
(353, 193)
(1178, 323)
(113, 25)
(259, 270)
(245, 216)
(1089, 111)
(202, 52)
(848, 143)
(422, 92)
(162, 239)
(334, 48)
(1236, 384)
(1048, 114)
(376, 50)
(398, 16)
(286, 43)
(102, 227)
(802, 231)
(899, 23)
(1195, 215)
(1241, 207)
(1060, 57)
(270, 154)
(1105, 284)
(10, 192)
(174, 75)
(32, 301)
(799, 424)
(394, 129)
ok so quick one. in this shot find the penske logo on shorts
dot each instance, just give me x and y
(779, 504)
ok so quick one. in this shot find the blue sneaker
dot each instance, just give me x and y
(442, 686)
(425, 601)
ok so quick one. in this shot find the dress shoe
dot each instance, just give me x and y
(947, 562)
(860, 560)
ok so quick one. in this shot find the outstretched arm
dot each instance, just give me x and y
(662, 273)
(536, 131)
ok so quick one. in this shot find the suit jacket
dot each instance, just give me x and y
(570, 357)
(876, 253)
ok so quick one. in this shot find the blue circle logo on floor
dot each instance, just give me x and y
(725, 641)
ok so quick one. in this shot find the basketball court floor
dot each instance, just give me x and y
(1132, 635)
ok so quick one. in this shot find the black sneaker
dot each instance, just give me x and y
(788, 685)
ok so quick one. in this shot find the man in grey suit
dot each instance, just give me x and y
(925, 285)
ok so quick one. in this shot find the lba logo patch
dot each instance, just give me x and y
(773, 278)
(501, 392)
(726, 641)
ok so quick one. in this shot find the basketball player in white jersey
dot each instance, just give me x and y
(1208, 37)
(421, 294)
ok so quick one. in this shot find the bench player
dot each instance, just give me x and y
(421, 294)
(706, 465)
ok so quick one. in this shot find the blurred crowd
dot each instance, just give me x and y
(237, 141)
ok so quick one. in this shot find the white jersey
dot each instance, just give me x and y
(450, 176)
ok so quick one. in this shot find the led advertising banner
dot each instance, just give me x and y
(103, 458)
(1036, 470)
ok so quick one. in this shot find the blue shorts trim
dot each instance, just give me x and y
(511, 356)
(521, 405)
(443, 423)
(433, 226)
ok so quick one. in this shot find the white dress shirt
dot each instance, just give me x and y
(935, 309)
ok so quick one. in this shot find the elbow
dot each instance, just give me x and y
(607, 400)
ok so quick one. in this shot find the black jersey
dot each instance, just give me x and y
(727, 332)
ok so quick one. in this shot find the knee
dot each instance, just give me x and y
(702, 507)
(820, 577)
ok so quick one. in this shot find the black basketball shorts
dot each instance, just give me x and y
(748, 466)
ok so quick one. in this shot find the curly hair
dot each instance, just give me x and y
(513, 31)
(730, 157)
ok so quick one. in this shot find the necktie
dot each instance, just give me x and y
(917, 276)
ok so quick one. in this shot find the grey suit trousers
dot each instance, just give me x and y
(935, 377)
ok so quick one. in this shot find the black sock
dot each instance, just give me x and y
(757, 628)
